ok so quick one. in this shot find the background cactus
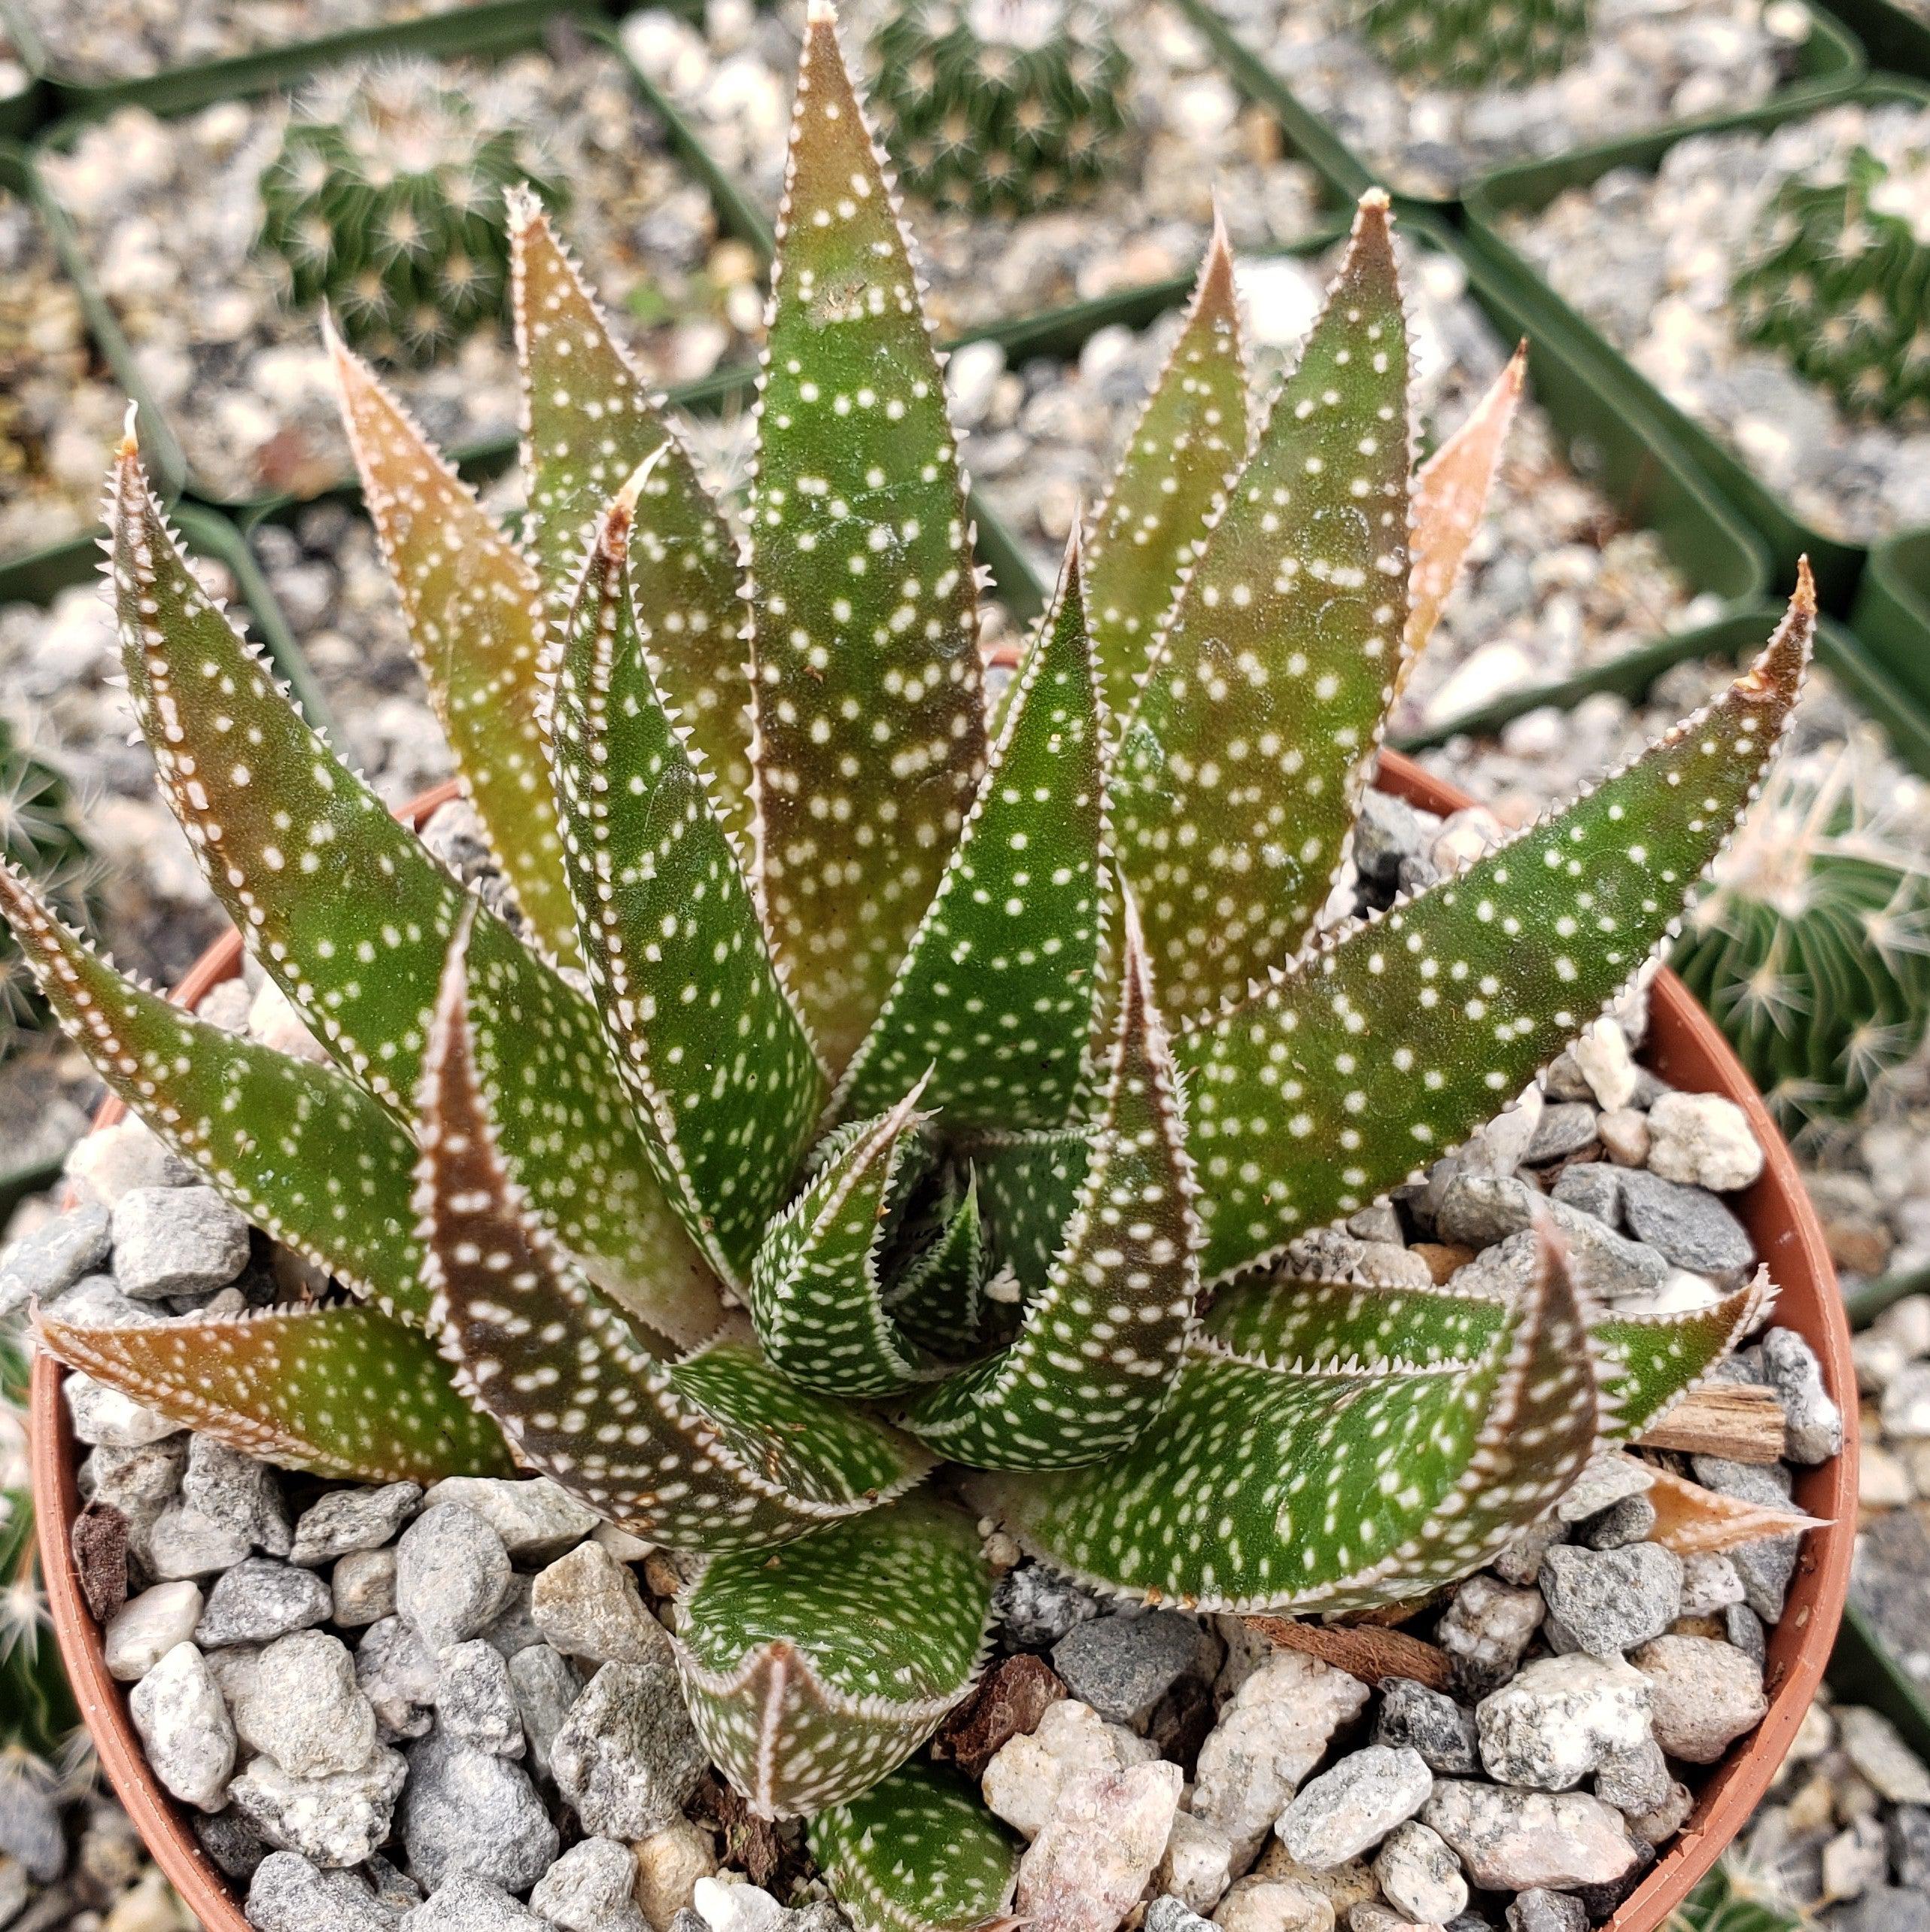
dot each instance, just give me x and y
(1000, 105)
(385, 202)
(1813, 949)
(40, 834)
(1473, 43)
(968, 1053)
(1839, 280)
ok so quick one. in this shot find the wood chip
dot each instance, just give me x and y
(1361, 1649)
(1736, 1419)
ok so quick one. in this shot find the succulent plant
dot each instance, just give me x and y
(967, 1057)
(1736, 1898)
(1000, 105)
(1838, 279)
(1471, 43)
(386, 203)
(1813, 947)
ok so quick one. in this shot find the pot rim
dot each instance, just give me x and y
(1682, 1041)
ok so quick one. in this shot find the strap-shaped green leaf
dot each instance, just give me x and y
(869, 732)
(474, 613)
(1029, 1184)
(299, 1149)
(589, 423)
(938, 1299)
(1186, 447)
(816, 1290)
(340, 1391)
(812, 1672)
(1649, 1362)
(725, 1076)
(918, 1852)
(352, 918)
(996, 995)
(1241, 769)
(1260, 1489)
(1100, 1347)
(1391, 1044)
(715, 1453)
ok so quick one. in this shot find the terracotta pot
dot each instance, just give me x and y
(1684, 1047)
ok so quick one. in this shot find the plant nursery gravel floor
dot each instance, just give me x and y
(168, 211)
(1554, 583)
(1647, 63)
(732, 79)
(1649, 261)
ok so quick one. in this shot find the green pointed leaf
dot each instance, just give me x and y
(714, 1454)
(1390, 1045)
(1320, 1326)
(1186, 447)
(812, 1672)
(726, 1077)
(1649, 1362)
(1030, 1184)
(338, 1391)
(996, 995)
(869, 722)
(299, 1149)
(817, 1291)
(474, 612)
(1260, 1488)
(938, 1300)
(1242, 768)
(352, 918)
(1100, 1347)
(590, 422)
(918, 1852)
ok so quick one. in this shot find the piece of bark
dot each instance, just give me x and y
(1362, 1650)
(100, 1543)
(1735, 1419)
(1010, 1699)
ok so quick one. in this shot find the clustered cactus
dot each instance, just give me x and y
(40, 834)
(1473, 43)
(385, 203)
(1002, 106)
(963, 1058)
(1813, 949)
(1838, 279)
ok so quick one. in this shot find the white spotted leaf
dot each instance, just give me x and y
(938, 1297)
(1029, 1185)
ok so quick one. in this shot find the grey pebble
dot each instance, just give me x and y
(1037, 1606)
(358, 1519)
(1611, 1600)
(1689, 1224)
(289, 1894)
(1429, 1722)
(589, 1889)
(1814, 1421)
(1122, 1664)
(397, 1675)
(259, 1600)
(47, 1262)
(241, 1491)
(468, 1811)
(177, 1241)
(452, 1570)
(545, 1686)
(627, 1757)
(303, 1706)
(468, 1903)
(474, 1700)
(1349, 1808)
(362, 1588)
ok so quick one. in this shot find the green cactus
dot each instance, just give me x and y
(1474, 44)
(1838, 278)
(1000, 106)
(41, 836)
(1813, 950)
(966, 1056)
(386, 204)
(1735, 1898)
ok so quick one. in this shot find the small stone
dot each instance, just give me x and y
(1909, 1846)
(1564, 1128)
(289, 1894)
(230, 1841)
(1814, 1421)
(1904, 1410)
(1275, 1731)
(170, 1242)
(1560, 1718)
(1122, 1665)
(1420, 1875)
(241, 1491)
(1097, 1848)
(1704, 1140)
(466, 1811)
(1709, 1582)
(1513, 1841)
(362, 1588)
(1609, 1479)
(452, 1570)
(1007, 1701)
(537, 1519)
(1687, 1225)
(1487, 1630)
(1024, 1778)
(1273, 1905)
(46, 1264)
(108, 1162)
(468, 1904)
(1521, 1562)
(669, 1864)
(1855, 1860)
(114, 1420)
(1623, 1523)
(474, 1700)
(1594, 1187)
(1655, 1828)
(1611, 1600)
(347, 1520)
(1766, 1566)
(1602, 1058)
(147, 1627)
(1885, 1909)
(589, 1889)
(1196, 1866)
(1347, 1810)
(627, 1757)
(259, 1600)
(1430, 1722)
(178, 1711)
(587, 1605)
(1167, 1914)
(1636, 1782)
(304, 1708)
(184, 1543)
(1705, 1694)
(336, 1821)
(1037, 1606)
(1743, 1629)
(396, 1673)
(513, 1628)
(1539, 1911)
(1874, 1746)
(1625, 1136)
(546, 1687)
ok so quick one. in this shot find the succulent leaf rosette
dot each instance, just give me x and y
(892, 1112)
